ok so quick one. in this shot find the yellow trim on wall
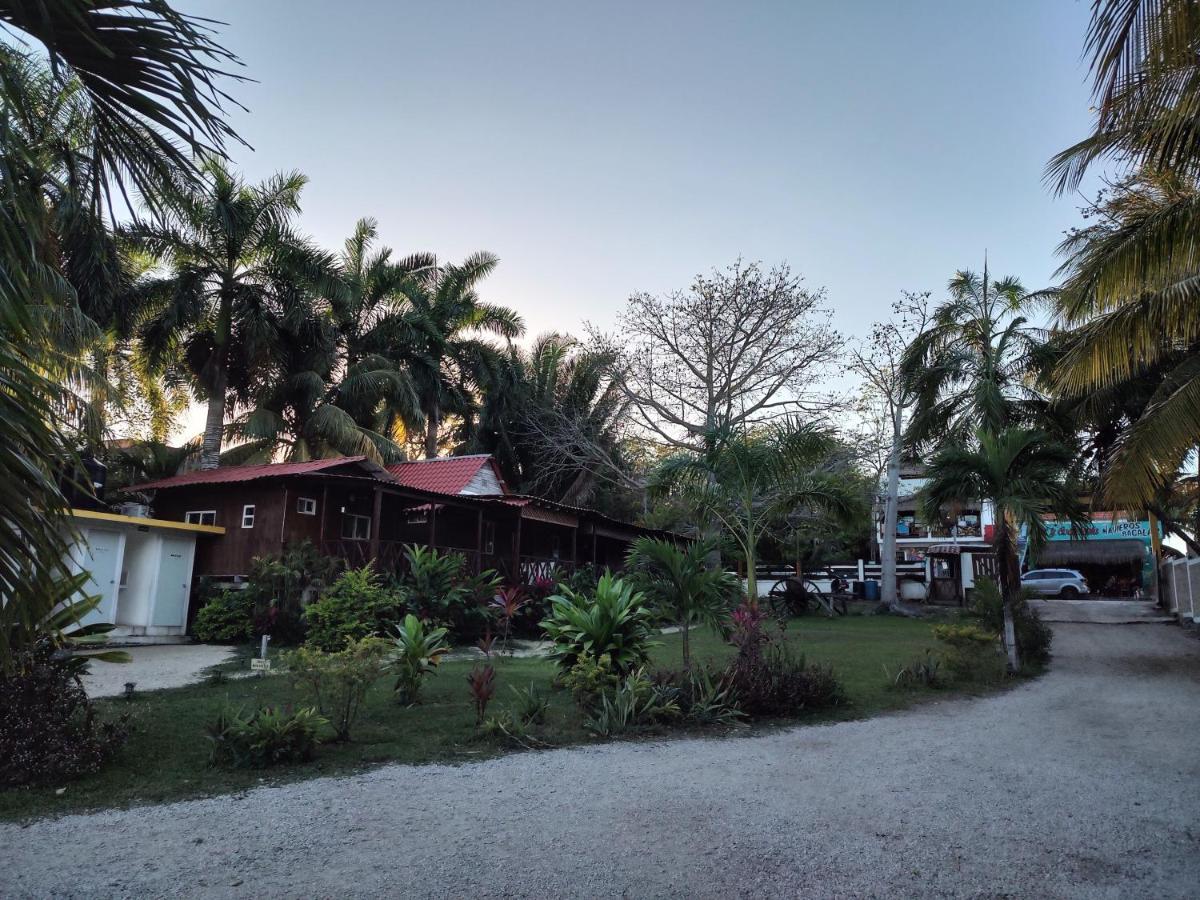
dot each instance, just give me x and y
(142, 520)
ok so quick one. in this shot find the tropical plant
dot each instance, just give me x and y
(418, 650)
(685, 590)
(1034, 636)
(530, 704)
(773, 680)
(702, 695)
(233, 261)
(269, 736)
(615, 623)
(358, 604)
(747, 481)
(338, 682)
(507, 605)
(969, 651)
(228, 615)
(1026, 475)
(482, 682)
(637, 702)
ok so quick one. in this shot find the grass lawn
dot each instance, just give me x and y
(166, 757)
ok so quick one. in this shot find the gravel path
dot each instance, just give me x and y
(154, 667)
(1085, 783)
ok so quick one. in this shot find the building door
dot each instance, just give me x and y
(171, 592)
(102, 554)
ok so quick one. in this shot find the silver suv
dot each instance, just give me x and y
(1065, 583)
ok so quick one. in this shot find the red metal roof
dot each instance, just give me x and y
(229, 474)
(448, 475)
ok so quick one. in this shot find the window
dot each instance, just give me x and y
(248, 515)
(356, 528)
(201, 517)
(306, 506)
(489, 538)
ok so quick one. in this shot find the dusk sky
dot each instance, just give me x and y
(608, 148)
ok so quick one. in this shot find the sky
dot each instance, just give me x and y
(609, 148)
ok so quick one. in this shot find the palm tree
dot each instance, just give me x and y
(970, 366)
(1026, 475)
(678, 580)
(147, 75)
(228, 246)
(747, 482)
(448, 363)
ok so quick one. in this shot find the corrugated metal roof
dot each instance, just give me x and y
(229, 474)
(446, 475)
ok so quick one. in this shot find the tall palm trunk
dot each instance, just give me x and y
(433, 420)
(889, 586)
(214, 421)
(1010, 583)
(687, 651)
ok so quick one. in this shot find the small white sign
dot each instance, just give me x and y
(260, 665)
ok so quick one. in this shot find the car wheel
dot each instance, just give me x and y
(1069, 593)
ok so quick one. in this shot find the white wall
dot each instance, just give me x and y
(141, 567)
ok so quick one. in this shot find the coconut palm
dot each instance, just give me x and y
(971, 365)
(441, 346)
(228, 246)
(1027, 475)
(685, 589)
(747, 482)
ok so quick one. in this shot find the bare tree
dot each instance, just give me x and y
(740, 347)
(887, 400)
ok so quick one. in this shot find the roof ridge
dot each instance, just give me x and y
(406, 462)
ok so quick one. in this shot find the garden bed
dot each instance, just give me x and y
(167, 755)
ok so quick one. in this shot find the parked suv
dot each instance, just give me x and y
(1065, 583)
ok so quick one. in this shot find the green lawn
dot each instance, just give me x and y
(167, 753)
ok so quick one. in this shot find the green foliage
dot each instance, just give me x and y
(1034, 636)
(482, 682)
(636, 703)
(338, 682)
(356, 606)
(48, 728)
(970, 652)
(530, 704)
(269, 736)
(924, 671)
(590, 678)
(614, 623)
(777, 681)
(418, 649)
(703, 696)
(227, 616)
(440, 590)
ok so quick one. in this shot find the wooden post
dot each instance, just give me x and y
(517, 550)
(575, 546)
(324, 513)
(432, 526)
(376, 510)
(479, 542)
(595, 562)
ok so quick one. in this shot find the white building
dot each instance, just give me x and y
(140, 567)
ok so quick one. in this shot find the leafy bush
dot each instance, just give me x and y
(636, 703)
(769, 678)
(440, 590)
(530, 706)
(338, 682)
(1033, 635)
(615, 622)
(227, 616)
(417, 651)
(702, 695)
(267, 737)
(970, 652)
(356, 606)
(507, 605)
(48, 728)
(924, 671)
(482, 681)
(589, 679)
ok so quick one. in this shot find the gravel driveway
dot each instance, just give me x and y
(1085, 783)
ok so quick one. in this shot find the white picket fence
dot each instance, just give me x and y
(1181, 588)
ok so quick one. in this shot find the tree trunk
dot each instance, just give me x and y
(1170, 526)
(683, 633)
(889, 587)
(432, 427)
(1010, 584)
(214, 423)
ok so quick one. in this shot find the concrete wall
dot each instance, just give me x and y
(1180, 580)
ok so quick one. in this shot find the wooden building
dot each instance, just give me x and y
(354, 509)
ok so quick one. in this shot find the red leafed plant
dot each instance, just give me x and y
(482, 681)
(507, 603)
(487, 643)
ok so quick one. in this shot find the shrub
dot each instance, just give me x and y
(636, 703)
(924, 671)
(1033, 635)
(530, 706)
(771, 680)
(418, 649)
(589, 679)
(702, 695)
(267, 737)
(616, 623)
(227, 616)
(482, 681)
(48, 728)
(356, 606)
(507, 605)
(338, 682)
(970, 652)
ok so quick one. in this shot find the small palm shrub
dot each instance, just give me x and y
(636, 703)
(268, 736)
(227, 616)
(357, 605)
(337, 683)
(507, 605)
(614, 622)
(1033, 635)
(49, 730)
(417, 650)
